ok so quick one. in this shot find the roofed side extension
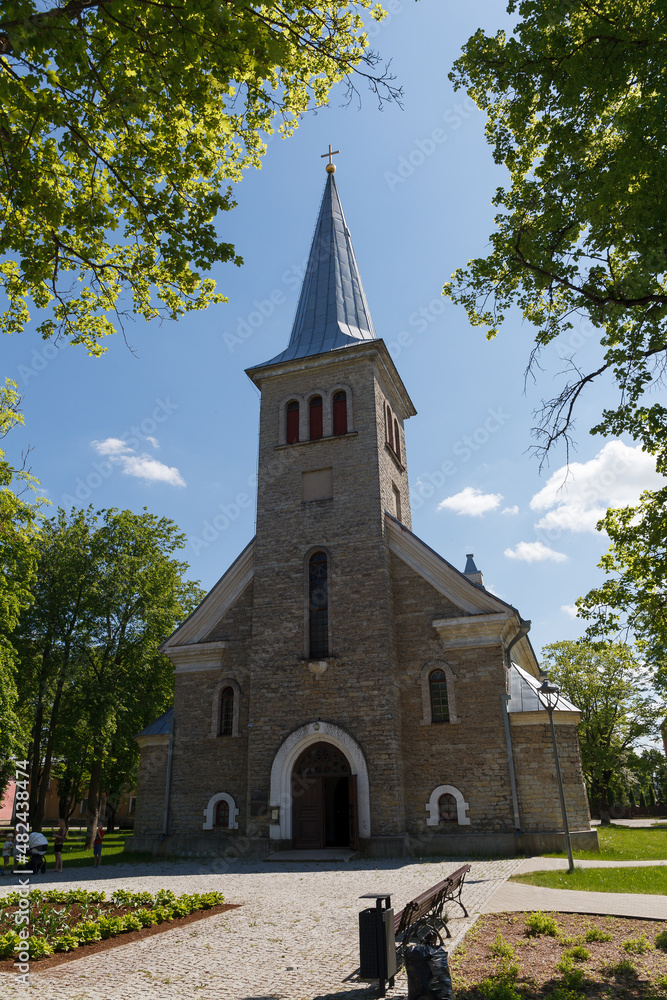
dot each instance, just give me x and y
(161, 726)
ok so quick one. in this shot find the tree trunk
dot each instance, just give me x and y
(93, 799)
(111, 822)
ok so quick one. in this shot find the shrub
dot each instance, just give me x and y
(8, 943)
(539, 923)
(597, 934)
(498, 989)
(39, 947)
(637, 946)
(66, 942)
(88, 931)
(147, 918)
(131, 922)
(573, 978)
(661, 940)
(501, 948)
(625, 968)
(109, 926)
(578, 953)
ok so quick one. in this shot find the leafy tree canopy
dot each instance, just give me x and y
(18, 561)
(122, 124)
(576, 105)
(619, 711)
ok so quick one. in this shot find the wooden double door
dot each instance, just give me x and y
(324, 800)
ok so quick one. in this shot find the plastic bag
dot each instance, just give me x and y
(428, 972)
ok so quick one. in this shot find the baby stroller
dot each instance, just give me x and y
(37, 848)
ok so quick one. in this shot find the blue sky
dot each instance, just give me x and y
(172, 425)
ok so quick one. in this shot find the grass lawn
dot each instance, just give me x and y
(74, 855)
(622, 843)
(652, 880)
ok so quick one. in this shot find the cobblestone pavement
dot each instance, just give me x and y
(294, 938)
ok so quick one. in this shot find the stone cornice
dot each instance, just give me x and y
(542, 718)
(197, 656)
(475, 630)
(157, 739)
(216, 602)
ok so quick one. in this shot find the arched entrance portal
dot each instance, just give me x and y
(324, 799)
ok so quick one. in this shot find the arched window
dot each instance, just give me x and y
(390, 425)
(227, 712)
(340, 413)
(397, 440)
(222, 814)
(438, 688)
(315, 418)
(447, 809)
(318, 606)
(292, 423)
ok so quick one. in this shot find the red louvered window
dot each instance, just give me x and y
(222, 814)
(390, 425)
(292, 428)
(227, 712)
(340, 413)
(397, 441)
(315, 418)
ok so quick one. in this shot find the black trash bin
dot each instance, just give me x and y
(377, 944)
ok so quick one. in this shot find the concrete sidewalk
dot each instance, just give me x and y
(513, 896)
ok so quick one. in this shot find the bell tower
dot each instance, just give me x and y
(332, 460)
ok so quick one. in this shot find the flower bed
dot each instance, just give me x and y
(59, 921)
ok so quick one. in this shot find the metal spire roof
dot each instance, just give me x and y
(332, 311)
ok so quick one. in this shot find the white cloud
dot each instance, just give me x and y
(569, 609)
(510, 510)
(614, 478)
(534, 552)
(110, 446)
(153, 441)
(471, 502)
(142, 466)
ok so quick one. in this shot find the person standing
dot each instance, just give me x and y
(58, 842)
(7, 851)
(97, 847)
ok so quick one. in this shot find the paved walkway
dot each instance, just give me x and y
(295, 937)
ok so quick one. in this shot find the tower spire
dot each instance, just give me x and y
(332, 310)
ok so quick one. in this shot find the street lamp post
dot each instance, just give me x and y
(549, 695)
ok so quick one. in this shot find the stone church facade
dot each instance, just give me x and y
(343, 685)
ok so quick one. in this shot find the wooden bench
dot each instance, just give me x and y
(428, 906)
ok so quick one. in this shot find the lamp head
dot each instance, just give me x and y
(549, 694)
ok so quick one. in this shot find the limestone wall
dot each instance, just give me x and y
(537, 786)
(151, 785)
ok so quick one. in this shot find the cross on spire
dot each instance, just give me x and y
(330, 167)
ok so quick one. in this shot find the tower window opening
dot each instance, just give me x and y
(439, 704)
(397, 440)
(447, 809)
(340, 413)
(222, 814)
(315, 418)
(318, 606)
(227, 712)
(390, 425)
(292, 423)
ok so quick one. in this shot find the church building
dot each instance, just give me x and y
(343, 685)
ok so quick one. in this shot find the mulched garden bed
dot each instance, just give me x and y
(127, 937)
(498, 941)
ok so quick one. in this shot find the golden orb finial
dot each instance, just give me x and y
(330, 167)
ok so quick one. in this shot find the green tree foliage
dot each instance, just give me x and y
(109, 590)
(633, 598)
(18, 520)
(575, 101)
(618, 708)
(122, 124)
